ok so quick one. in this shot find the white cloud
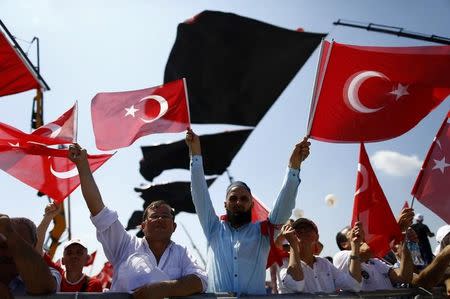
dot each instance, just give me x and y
(396, 164)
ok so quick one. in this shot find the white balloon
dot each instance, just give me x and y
(298, 213)
(330, 200)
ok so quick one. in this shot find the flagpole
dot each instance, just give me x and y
(193, 245)
(412, 202)
(317, 85)
(187, 100)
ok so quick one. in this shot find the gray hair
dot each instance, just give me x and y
(16, 221)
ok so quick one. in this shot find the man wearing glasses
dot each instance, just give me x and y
(151, 267)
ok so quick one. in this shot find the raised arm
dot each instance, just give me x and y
(404, 274)
(30, 265)
(294, 268)
(199, 188)
(286, 199)
(89, 188)
(51, 210)
(356, 238)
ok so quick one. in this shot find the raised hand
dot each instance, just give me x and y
(193, 142)
(77, 154)
(52, 209)
(299, 154)
(405, 219)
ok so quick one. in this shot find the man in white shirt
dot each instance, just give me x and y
(151, 267)
(312, 274)
(376, 274)
(22, 269)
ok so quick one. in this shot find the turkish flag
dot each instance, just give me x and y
(64, 128)
(119, 118)
(46, 169)
(259, 210)
(432, 187)
(366, 94)
(105, 275)
(91, 259)
(372, 209)
(15, 75)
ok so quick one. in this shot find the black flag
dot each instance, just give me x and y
(176, 194)
(235, 67)
(218, 150)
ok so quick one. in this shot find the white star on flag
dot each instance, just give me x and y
(402, 90)
(440, 164)
(131, 111)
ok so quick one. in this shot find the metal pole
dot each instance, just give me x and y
(17, 46)
(392, 30)
(193, 245)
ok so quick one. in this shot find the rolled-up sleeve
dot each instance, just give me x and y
(111, 234)
(191, 267)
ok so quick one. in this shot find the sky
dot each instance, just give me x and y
(88, 47)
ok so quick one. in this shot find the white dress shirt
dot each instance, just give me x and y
(375, 273)
(134, 263)
(322, 277)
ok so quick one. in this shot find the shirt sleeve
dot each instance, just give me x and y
(341, 259)
(344, 280)
(111, 234)
(201, 198)
(57, 276)
(190, 267)
(381, 266)
(290, 284)
(285, 201)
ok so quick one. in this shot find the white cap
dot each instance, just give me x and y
(418, 217)
(74, 241)
(440, 235)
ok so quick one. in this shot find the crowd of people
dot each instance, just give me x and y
(156, 267)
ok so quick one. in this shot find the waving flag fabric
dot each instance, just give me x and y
(432, 187)
(119, 118)
(366, 94)
(372, 209)
(236, 67)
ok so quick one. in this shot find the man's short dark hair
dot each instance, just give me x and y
(31, 227)
(304, 222)
(341, 237)
(156, 204)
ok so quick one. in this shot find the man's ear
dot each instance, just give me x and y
(62, 261)
(174, 226)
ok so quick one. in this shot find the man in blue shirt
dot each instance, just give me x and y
(237, 249)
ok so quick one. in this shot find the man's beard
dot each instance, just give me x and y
(239, 218)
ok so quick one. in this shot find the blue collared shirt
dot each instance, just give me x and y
(237, 257)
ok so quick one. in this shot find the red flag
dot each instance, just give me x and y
(432, 187)
(119, 118)
(15, 75)
(372, 209)
(45, 169)
(91, 259)
(259, 211)
(405, 205)
(105, 275)
(368, 94)
(64, 128)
